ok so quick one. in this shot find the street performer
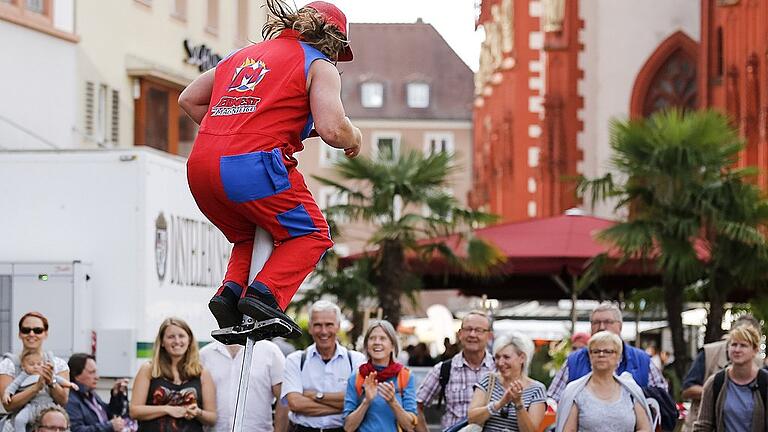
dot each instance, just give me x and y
(254, 110)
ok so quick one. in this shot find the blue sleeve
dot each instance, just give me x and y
(409, 396)
(351, 399)
(695, 375)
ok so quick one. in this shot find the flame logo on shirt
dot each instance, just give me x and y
(248, 75)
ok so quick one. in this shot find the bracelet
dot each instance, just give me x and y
(490, 408)
(520, 407)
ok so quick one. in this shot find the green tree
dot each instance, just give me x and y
(406, 202)
(690, 210)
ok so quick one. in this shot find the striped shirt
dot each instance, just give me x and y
(533, 394)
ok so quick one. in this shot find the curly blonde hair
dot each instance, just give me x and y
(189, 367)
(309, 23)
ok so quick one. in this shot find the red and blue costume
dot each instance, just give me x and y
(242, 172)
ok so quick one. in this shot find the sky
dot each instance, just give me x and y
(453, 19)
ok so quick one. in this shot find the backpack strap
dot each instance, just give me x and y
(359, 383)
(402, 380)
(762, 385)
(303, 359)
(349, 358)
(717, 386)
(445, 376)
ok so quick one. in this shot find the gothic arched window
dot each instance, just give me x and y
(668, 78)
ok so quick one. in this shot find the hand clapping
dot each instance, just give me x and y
(387, 391)
(370, 386)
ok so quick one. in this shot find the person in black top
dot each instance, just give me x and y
(173, 392)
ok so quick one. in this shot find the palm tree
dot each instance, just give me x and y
(406, 201)
(690, 210)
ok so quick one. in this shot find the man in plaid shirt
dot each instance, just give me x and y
(471, 364)
(606, 316)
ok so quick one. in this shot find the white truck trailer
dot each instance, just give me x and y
(107, 244)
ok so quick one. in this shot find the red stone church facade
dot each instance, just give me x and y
(554, 72)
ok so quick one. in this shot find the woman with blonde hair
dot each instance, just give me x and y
(255, 109)
(601, 401)
(516, 402)
(380, 396)
(732, 399)
(173, 392)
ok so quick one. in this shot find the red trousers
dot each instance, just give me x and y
(238, 192)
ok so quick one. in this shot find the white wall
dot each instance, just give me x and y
(39, 76)
(619, 36)
(100, 207)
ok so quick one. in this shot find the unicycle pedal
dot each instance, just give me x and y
(239, 334)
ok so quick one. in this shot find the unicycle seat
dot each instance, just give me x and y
(239, 334)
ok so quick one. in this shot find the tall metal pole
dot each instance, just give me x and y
(262, 249)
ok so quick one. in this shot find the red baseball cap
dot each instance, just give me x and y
(336, 17)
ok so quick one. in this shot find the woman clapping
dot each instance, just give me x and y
(516, 403)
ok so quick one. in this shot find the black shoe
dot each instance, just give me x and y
(260, 304)
(224, 306)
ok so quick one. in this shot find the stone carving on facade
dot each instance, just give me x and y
(553, 15)
(496, 49)
(507, 28)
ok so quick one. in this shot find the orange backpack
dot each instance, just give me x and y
(402, 381)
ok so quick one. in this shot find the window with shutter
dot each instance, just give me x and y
(90, 90)
(115, 118)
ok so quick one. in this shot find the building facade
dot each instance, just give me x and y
(39, 74)
(734, 73)
(553, 73)
(403, 99)
(128, 87)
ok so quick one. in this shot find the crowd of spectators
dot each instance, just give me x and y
(604, 385)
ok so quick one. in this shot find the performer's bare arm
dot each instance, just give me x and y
(196, 98)
(327, 110)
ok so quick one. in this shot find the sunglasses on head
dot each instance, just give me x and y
(35, 330)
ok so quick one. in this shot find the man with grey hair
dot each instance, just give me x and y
(315, 379)
(452, 380)
(607, 316)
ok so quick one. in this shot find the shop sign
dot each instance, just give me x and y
(201, 56)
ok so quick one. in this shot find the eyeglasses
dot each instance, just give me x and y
(597, 352)
(53, 428)
(477, 330)
(606, 323)
(35, 330)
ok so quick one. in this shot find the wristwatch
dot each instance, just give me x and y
(319, 395)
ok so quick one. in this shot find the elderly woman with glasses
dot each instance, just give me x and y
(516, 402)
(52, 419)
(600, 400)
(33, 331)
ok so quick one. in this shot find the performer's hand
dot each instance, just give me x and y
(387, 391)
(176, 411)
(6, 399)
(370, 386)
(354, 149)
(352, 152)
